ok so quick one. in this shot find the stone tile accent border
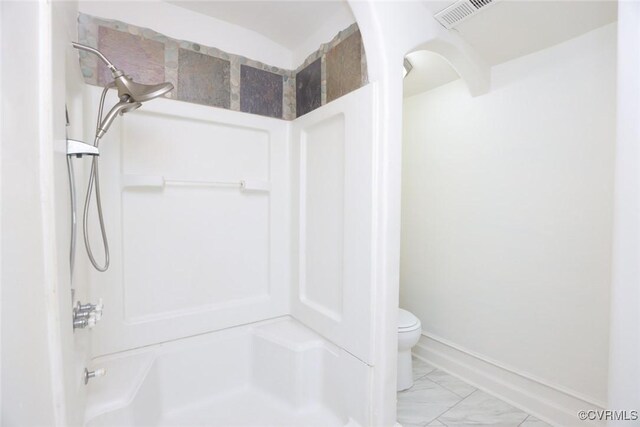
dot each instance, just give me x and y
(260, 92)
(309, 88)
(343, 67)
(145, 58)
(224, 70)
(328, 47)
(203, 79)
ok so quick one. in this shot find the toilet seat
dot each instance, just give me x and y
(407, 322)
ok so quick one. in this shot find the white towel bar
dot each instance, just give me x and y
(155, 181)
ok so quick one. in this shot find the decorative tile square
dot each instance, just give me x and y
(344, 67)
(140, 58)
(406, 424)
(450, 382)
(532, 421)
(203, 79)
(425, 390)
(420, 368)
(260, 92)
(308, 96)
(482, 409)
(424, 402)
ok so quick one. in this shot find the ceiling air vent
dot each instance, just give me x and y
(460, 11)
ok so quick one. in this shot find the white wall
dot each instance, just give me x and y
(26, 383)
(507, 214)
(43, 360)
(624, 363)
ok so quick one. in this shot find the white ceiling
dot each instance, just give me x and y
(510, 29)
(288, 23)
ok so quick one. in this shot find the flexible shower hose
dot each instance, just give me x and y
(94, 179)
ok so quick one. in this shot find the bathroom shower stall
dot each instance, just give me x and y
(238, 212)
(217, 215)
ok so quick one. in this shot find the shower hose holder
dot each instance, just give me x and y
(79, 148)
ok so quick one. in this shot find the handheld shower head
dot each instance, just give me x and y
(131, 95)
(140, 92)
(124, 106)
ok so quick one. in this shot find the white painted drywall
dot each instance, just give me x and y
(33, 388)
(429, 70)
(507, 213)
(390, 30)
(624, 363)
(182, 24)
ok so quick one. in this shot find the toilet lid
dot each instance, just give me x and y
(406, 319)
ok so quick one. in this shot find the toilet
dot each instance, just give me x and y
(409, 331)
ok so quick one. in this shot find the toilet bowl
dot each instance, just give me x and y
(409, 331)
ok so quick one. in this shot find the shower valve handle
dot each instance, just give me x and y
(97, 309)
(87, 315)
(93, 374)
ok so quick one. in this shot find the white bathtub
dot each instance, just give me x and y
(271, 373)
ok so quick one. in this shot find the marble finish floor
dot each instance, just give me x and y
(440, 399)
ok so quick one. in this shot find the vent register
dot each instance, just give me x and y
(461, 11)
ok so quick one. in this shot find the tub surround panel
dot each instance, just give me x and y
(157, 291)
(308, 88)
(203, 79)
(331, 162)
(207, 75)
(261, 92)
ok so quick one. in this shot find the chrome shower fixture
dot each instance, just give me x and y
(119, 109)
(131, 95)
(136, 92)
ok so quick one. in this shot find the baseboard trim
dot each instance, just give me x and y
(552, 404)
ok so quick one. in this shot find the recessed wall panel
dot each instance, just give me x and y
(322, 212)
(199, 242)
(331, 198)
(191, 249)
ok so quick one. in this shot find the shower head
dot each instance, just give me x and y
(124, 106)
(131, 94)
(139, 92)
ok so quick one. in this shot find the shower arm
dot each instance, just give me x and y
(114, 71)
